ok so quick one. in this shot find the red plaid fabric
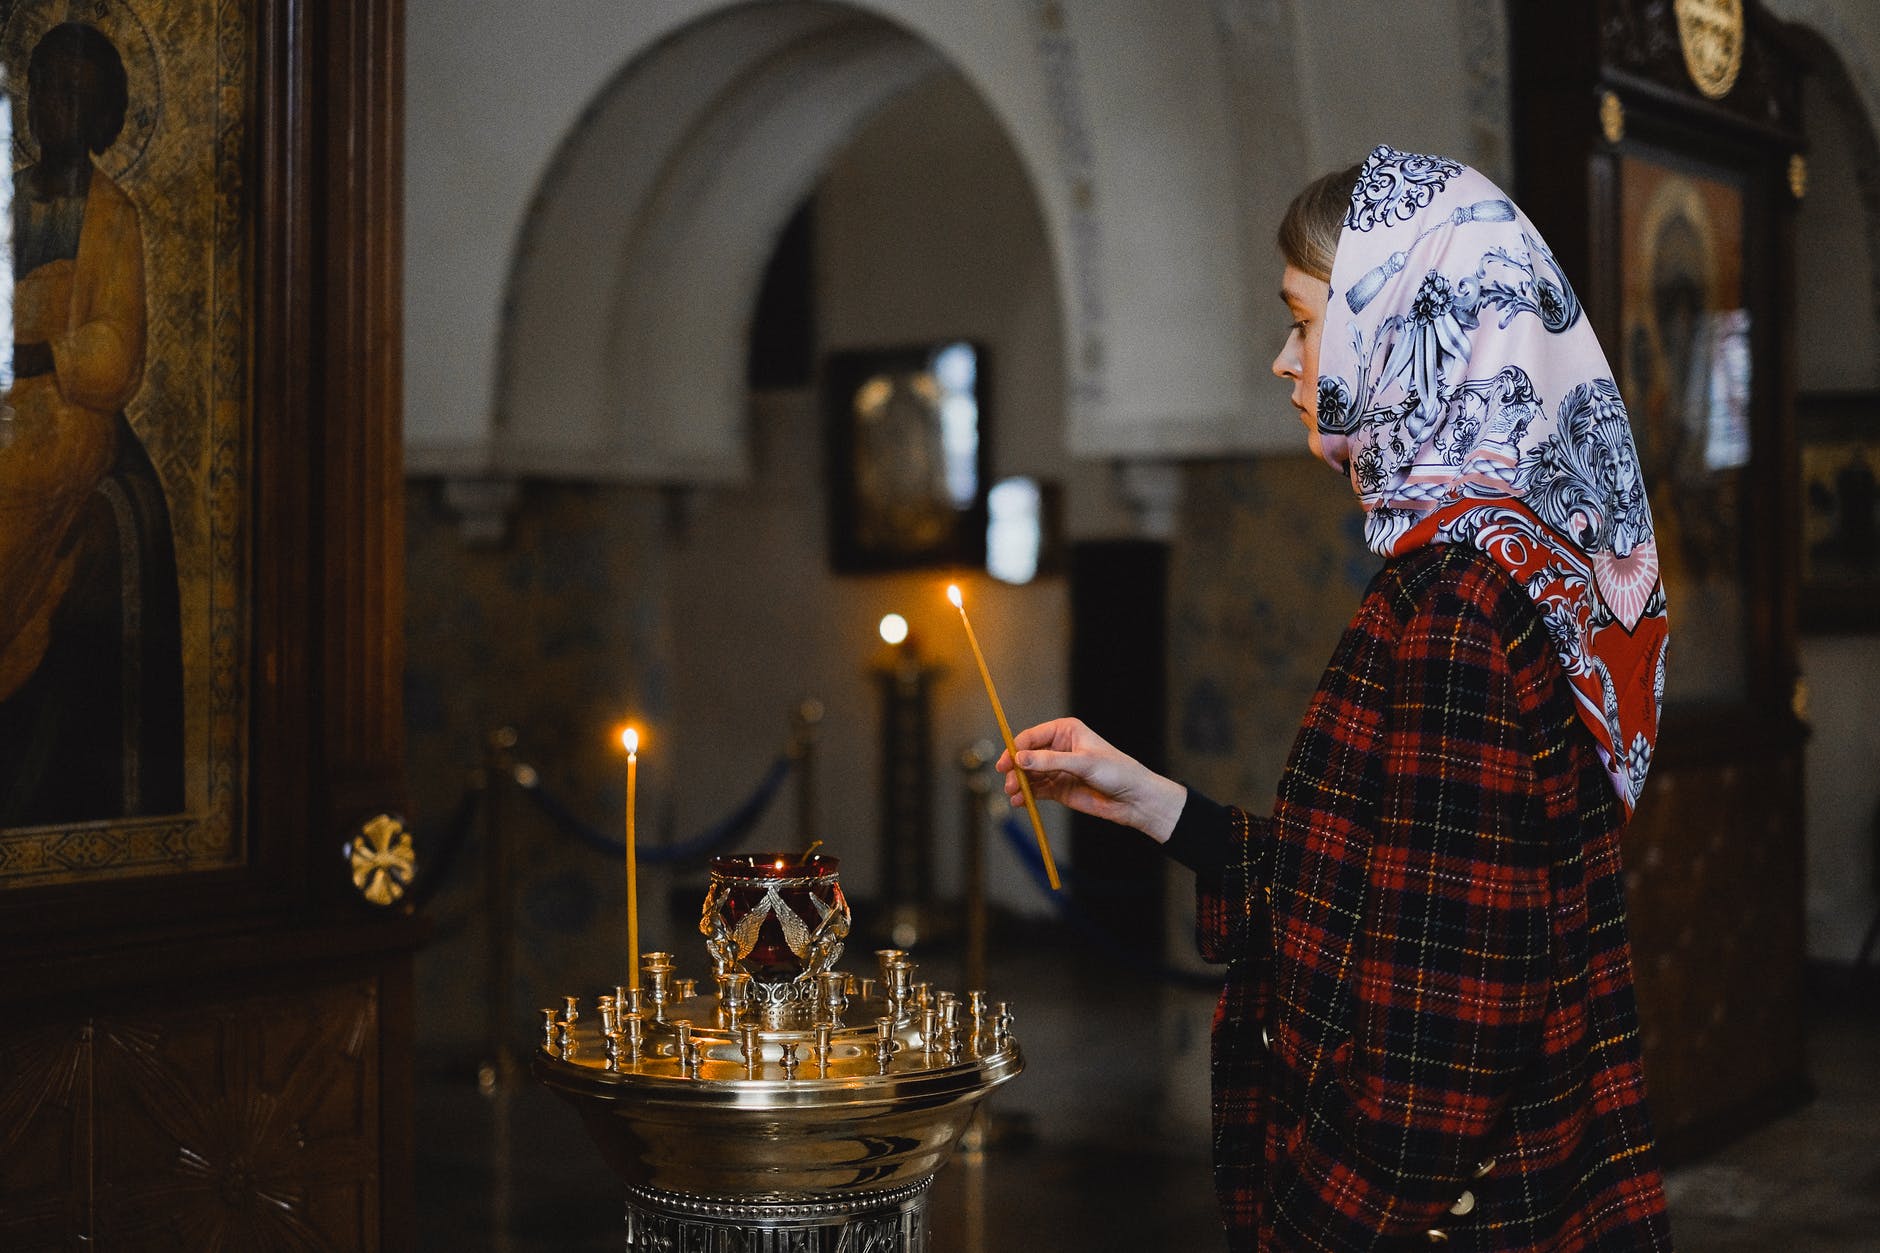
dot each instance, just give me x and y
(1429, 987)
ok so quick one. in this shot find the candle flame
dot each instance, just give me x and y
(894, 628)
(630, 740)
(953, 594)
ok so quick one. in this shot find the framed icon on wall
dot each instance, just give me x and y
(125, 439)
(907, 457)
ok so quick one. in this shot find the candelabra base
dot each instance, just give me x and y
(892, 1220)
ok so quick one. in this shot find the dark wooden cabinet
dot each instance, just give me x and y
(262, 1104)
(1658, 146)
(205, 1033)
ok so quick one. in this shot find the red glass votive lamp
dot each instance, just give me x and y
(776, 916)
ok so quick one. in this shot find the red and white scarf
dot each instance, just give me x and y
(1464, 391)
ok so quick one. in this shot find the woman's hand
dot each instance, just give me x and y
(1069, 763)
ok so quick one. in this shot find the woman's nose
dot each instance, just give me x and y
(1282, 364)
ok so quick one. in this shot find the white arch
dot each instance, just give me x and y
(610, 268)
(631, 366)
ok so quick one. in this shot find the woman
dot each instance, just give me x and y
(1428, 1033)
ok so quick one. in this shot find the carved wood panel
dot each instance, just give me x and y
(1714, 884)
(244, 1124)
(45, 1119)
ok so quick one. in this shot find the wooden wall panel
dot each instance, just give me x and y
(247, 1122)
(221, 1059)
(45, 1120)
(1714, 888)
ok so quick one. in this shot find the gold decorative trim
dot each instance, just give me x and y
(1798, 175)
(383, 860)
(1611, 117)
(1711, 34)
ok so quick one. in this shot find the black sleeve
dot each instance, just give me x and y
(1199, 840)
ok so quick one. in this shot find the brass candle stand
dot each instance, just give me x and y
(789, 1105)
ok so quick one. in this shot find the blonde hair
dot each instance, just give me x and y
(1308, 233)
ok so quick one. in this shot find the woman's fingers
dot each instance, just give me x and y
(1044, 735)
(1039, 761)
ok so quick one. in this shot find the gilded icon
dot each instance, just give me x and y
(1685, 372)
(123, 439)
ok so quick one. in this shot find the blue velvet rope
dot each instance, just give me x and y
(730, 827)
(435, 869)
(1025, 846)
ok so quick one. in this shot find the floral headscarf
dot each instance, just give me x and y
(1464, 391)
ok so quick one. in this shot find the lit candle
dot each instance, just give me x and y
(630, 740)
(1005, 730)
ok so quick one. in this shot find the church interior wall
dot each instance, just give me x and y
(1837, 348)
(925, 231)
(713, 611)
(549, 632)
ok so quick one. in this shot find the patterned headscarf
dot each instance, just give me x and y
(1460, 384)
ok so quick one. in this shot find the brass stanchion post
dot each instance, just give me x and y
(989, 1127)
(977, 790)
(496, 1077)
(804, 720)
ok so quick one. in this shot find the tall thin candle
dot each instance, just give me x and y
(630, 740)
(1005, 730)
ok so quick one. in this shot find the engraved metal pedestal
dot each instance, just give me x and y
(745, 1124)
(889, 1221)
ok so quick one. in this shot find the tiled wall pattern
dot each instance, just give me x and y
(1268, 566)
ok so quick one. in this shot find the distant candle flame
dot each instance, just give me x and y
(953, 594)
(630, 740)
(894, 628)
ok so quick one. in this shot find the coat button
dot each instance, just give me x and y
(1436, 1237)
(1464, 1204)
(1266, 1037)
(1481, 1172)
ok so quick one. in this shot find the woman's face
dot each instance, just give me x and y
(1298, 359)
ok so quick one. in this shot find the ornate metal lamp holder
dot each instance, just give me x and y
(780, 920)
(794, 1107)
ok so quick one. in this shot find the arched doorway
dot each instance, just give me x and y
(624, 356)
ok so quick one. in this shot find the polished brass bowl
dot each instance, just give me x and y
(819, 1119)
(773, 1139)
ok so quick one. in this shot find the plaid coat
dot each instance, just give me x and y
(1428, 1034)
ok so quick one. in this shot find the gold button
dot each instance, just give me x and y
(1437, 1237)
(1463, 1205)
(1481, 1172)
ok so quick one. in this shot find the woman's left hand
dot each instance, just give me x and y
(1069, 763)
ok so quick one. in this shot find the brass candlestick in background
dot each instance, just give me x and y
(906, 682)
